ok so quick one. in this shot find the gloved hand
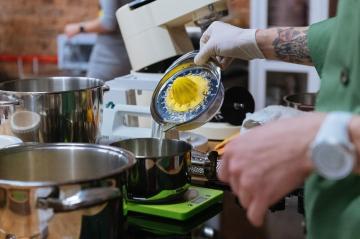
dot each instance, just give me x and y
(225, 42)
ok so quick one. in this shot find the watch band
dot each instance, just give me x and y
(81, 29)
(333, 154)
(327, 129)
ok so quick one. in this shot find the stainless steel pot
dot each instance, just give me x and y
(304, 101)
(53, 190)
(56, 109)
(162, 170)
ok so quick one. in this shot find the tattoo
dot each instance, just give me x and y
(292, 45)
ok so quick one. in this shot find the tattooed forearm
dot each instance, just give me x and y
(285, 43)
(291, 45)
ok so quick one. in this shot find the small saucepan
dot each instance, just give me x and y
(162, 171)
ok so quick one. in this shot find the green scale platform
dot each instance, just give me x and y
(195, 200)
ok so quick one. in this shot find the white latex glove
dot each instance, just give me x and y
(225, 42)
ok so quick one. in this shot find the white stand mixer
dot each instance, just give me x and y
(154, 31)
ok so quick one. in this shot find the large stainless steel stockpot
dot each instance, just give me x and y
(62, 190)
(162, 171)
(56, 109)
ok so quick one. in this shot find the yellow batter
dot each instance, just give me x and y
(186, 93)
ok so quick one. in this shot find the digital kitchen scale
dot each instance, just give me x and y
(195, 200)
(165, 227)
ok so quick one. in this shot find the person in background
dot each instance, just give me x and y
(109, 58)
(320, 148)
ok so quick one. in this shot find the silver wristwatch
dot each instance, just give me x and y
(332, 152)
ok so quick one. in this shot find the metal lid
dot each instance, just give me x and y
(184, 66)
(34, 165)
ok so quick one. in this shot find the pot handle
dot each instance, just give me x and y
(83, 199)
(305, 107)
(105, 88)
(11, 101)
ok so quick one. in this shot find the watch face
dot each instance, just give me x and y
(333, 161)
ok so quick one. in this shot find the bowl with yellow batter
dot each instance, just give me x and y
(188, 95)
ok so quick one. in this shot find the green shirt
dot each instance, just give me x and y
(332, 208)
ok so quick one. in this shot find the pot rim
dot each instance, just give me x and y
(115, 144)
(31, 184)
(8, 92)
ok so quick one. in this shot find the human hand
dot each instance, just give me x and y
(268, 162)
(72, 29)
(226, 42)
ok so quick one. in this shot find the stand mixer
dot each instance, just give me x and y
(153, 32)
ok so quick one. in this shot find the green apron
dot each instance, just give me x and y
(332, 208)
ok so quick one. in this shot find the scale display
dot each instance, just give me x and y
(195, 200)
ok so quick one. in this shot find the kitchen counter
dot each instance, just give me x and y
(224, 220)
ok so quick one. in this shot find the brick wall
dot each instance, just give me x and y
(30, 27)
(239, 12)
